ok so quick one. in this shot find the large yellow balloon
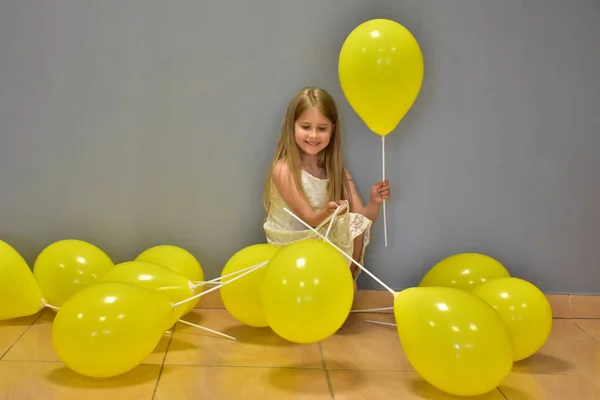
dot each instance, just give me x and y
(464, 271)
(381, 72)
(307, 291)
(525, 310)
(68, 266)
(109, 328)
(241, 297)
(453, 339)
(20, 294)
(179, 260)
(157, 278)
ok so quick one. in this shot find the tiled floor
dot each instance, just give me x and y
(362, 361)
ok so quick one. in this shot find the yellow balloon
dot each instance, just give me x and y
(109, 328)
(179, 260)
(525, 310)
(68, 266)
(241, 297)
(307, 291)
(175, 258)
(380, 68)
(453, 339)
(464, 271)
(157, 278)
(20, 294)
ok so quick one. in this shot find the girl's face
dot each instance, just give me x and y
(313, 132)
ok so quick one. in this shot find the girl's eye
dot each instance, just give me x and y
(322, 129)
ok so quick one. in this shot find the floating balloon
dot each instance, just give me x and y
(464, 271)
(380, 68)
(241, 298)
(68, 266)
(525, 310)
(175, 258)
(109, 328)
(307, 291)
(453, 339)
(157, 278)
(20, 294)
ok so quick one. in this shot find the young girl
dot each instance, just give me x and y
(307, 176)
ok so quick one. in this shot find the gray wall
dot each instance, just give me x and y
(135, 123)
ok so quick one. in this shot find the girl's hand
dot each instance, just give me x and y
(333, 205)
(380, 192)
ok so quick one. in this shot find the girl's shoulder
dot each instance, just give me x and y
(281, 173)
(281, 166)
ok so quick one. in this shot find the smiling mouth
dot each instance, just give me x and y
(312, 143)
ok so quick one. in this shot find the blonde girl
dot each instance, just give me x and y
(308, 177)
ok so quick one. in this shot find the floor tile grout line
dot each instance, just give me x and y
(280, 367)
(502, 393)
(21, 335)
(295, 368)
(162, 366)
(327, 377)
(587, 334)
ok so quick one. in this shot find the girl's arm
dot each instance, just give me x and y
(371, 210)
(286, 185)
(355, 200)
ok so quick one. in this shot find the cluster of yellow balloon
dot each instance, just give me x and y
(110, 317)
(111, 326)
(468, 322)
(304, 294)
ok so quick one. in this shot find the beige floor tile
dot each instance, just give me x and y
(550, 387)
(46, 317)
(36, 344)
(50, 380)
(574, 306)
(365, 299)
(386, 385)
(568, 350)
(11, 330)
(590, 326)
(232, 383)
(362, 345)
(211, 300)
(253, 347)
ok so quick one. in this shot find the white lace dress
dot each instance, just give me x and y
(282, 229)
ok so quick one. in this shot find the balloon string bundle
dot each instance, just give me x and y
(380, 322)
(342, 252)
(249, 270)
(50, 306)
(331, 222)
(370, 310)
(216, 280)
(206, 329)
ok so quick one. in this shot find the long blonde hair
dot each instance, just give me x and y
(330, 158)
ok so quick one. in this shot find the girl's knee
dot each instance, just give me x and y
(358, 248)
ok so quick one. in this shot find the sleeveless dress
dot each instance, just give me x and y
(282, 229)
